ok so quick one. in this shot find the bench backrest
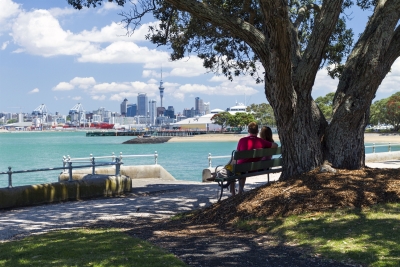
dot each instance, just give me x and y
(258, 154)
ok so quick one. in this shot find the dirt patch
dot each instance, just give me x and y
(310, 192)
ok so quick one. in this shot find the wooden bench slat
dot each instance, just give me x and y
(245, 175)
(256, 153)
(257, 166)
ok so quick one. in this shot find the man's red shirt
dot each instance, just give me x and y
(251, 142)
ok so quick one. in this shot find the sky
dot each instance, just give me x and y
(55, 55)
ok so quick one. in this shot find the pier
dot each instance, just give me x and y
(148, 133)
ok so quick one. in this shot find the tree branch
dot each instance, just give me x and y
(237, 27)
(301, 13)
(325, 23)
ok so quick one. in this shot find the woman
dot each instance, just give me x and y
(266, 134)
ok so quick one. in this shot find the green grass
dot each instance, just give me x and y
(84, 247)
(370, 236)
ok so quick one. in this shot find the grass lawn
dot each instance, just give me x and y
(84, 247)
(369, 236)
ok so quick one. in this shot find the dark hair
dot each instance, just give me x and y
(266, 134)
(252, 128)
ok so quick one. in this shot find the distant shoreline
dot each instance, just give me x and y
(368, 137)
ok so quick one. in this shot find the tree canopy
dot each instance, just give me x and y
(283, 44)
(263, 113)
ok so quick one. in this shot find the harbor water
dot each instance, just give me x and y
(35, 150)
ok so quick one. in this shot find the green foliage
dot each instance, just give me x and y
(221, 119)
(387, 111)
(325, 104)
(84, 247)
(393, 111)
(263, 113)
(12, 121)
(240, 120)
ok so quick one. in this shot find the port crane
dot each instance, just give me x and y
(77, 115)
(40, 113)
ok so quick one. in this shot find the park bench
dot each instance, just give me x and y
(250, 169)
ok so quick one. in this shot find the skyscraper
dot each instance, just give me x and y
(152, 111)
(199, 106)
(161, 88)
(124, 107)
(142, 103)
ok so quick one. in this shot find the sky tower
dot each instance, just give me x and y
(161, 88)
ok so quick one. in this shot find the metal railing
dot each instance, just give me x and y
(215, 157)
(389, 145)
(90, 162)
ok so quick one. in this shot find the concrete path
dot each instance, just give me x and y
(150, 198)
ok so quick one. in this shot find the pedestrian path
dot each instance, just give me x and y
(153, 198)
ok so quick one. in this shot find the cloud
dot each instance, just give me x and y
(8, 10)
(59, 12)
(36, 90)
(390, 84)
(125, 52)
(324, 84)
(77, 98)
(4, 45)
(99, 98)
(83, 83)
(39, 33)
(63, 86)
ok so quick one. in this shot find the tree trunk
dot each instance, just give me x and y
(300, 129)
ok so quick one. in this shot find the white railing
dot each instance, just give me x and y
(215, 157)
(88, 162)
(389, 145)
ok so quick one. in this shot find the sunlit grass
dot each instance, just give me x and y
(370, 236)
(84, 247)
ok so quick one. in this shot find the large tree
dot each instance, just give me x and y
(288, 42)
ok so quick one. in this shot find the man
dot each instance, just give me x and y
(248, 143)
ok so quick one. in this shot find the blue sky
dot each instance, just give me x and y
(54, 55)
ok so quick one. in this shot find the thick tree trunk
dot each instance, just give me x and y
(300, 129)
(301, 146)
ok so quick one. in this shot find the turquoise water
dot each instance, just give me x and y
(34, 150)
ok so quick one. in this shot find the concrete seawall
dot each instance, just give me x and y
(383, 156)
(84, 185)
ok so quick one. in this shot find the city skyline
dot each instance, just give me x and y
(54, 55)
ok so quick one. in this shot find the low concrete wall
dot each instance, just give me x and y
(134, 172)
(377, 157)
(88, 187)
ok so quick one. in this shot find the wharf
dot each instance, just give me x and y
(115, 133)
(145, 133)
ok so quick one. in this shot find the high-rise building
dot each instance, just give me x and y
(206, 107)
(199, 106)
(124, 107)
(152, 111)
(142, 103)
(189, 113)
(170, 112)
(131, 110)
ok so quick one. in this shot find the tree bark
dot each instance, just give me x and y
(367, 66)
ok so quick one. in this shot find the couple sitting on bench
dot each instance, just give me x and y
(252, 142)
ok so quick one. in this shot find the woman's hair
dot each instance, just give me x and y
(266, 134)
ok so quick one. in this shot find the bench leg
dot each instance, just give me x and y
(221, 191)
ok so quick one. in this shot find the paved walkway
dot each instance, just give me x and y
(153, 198)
